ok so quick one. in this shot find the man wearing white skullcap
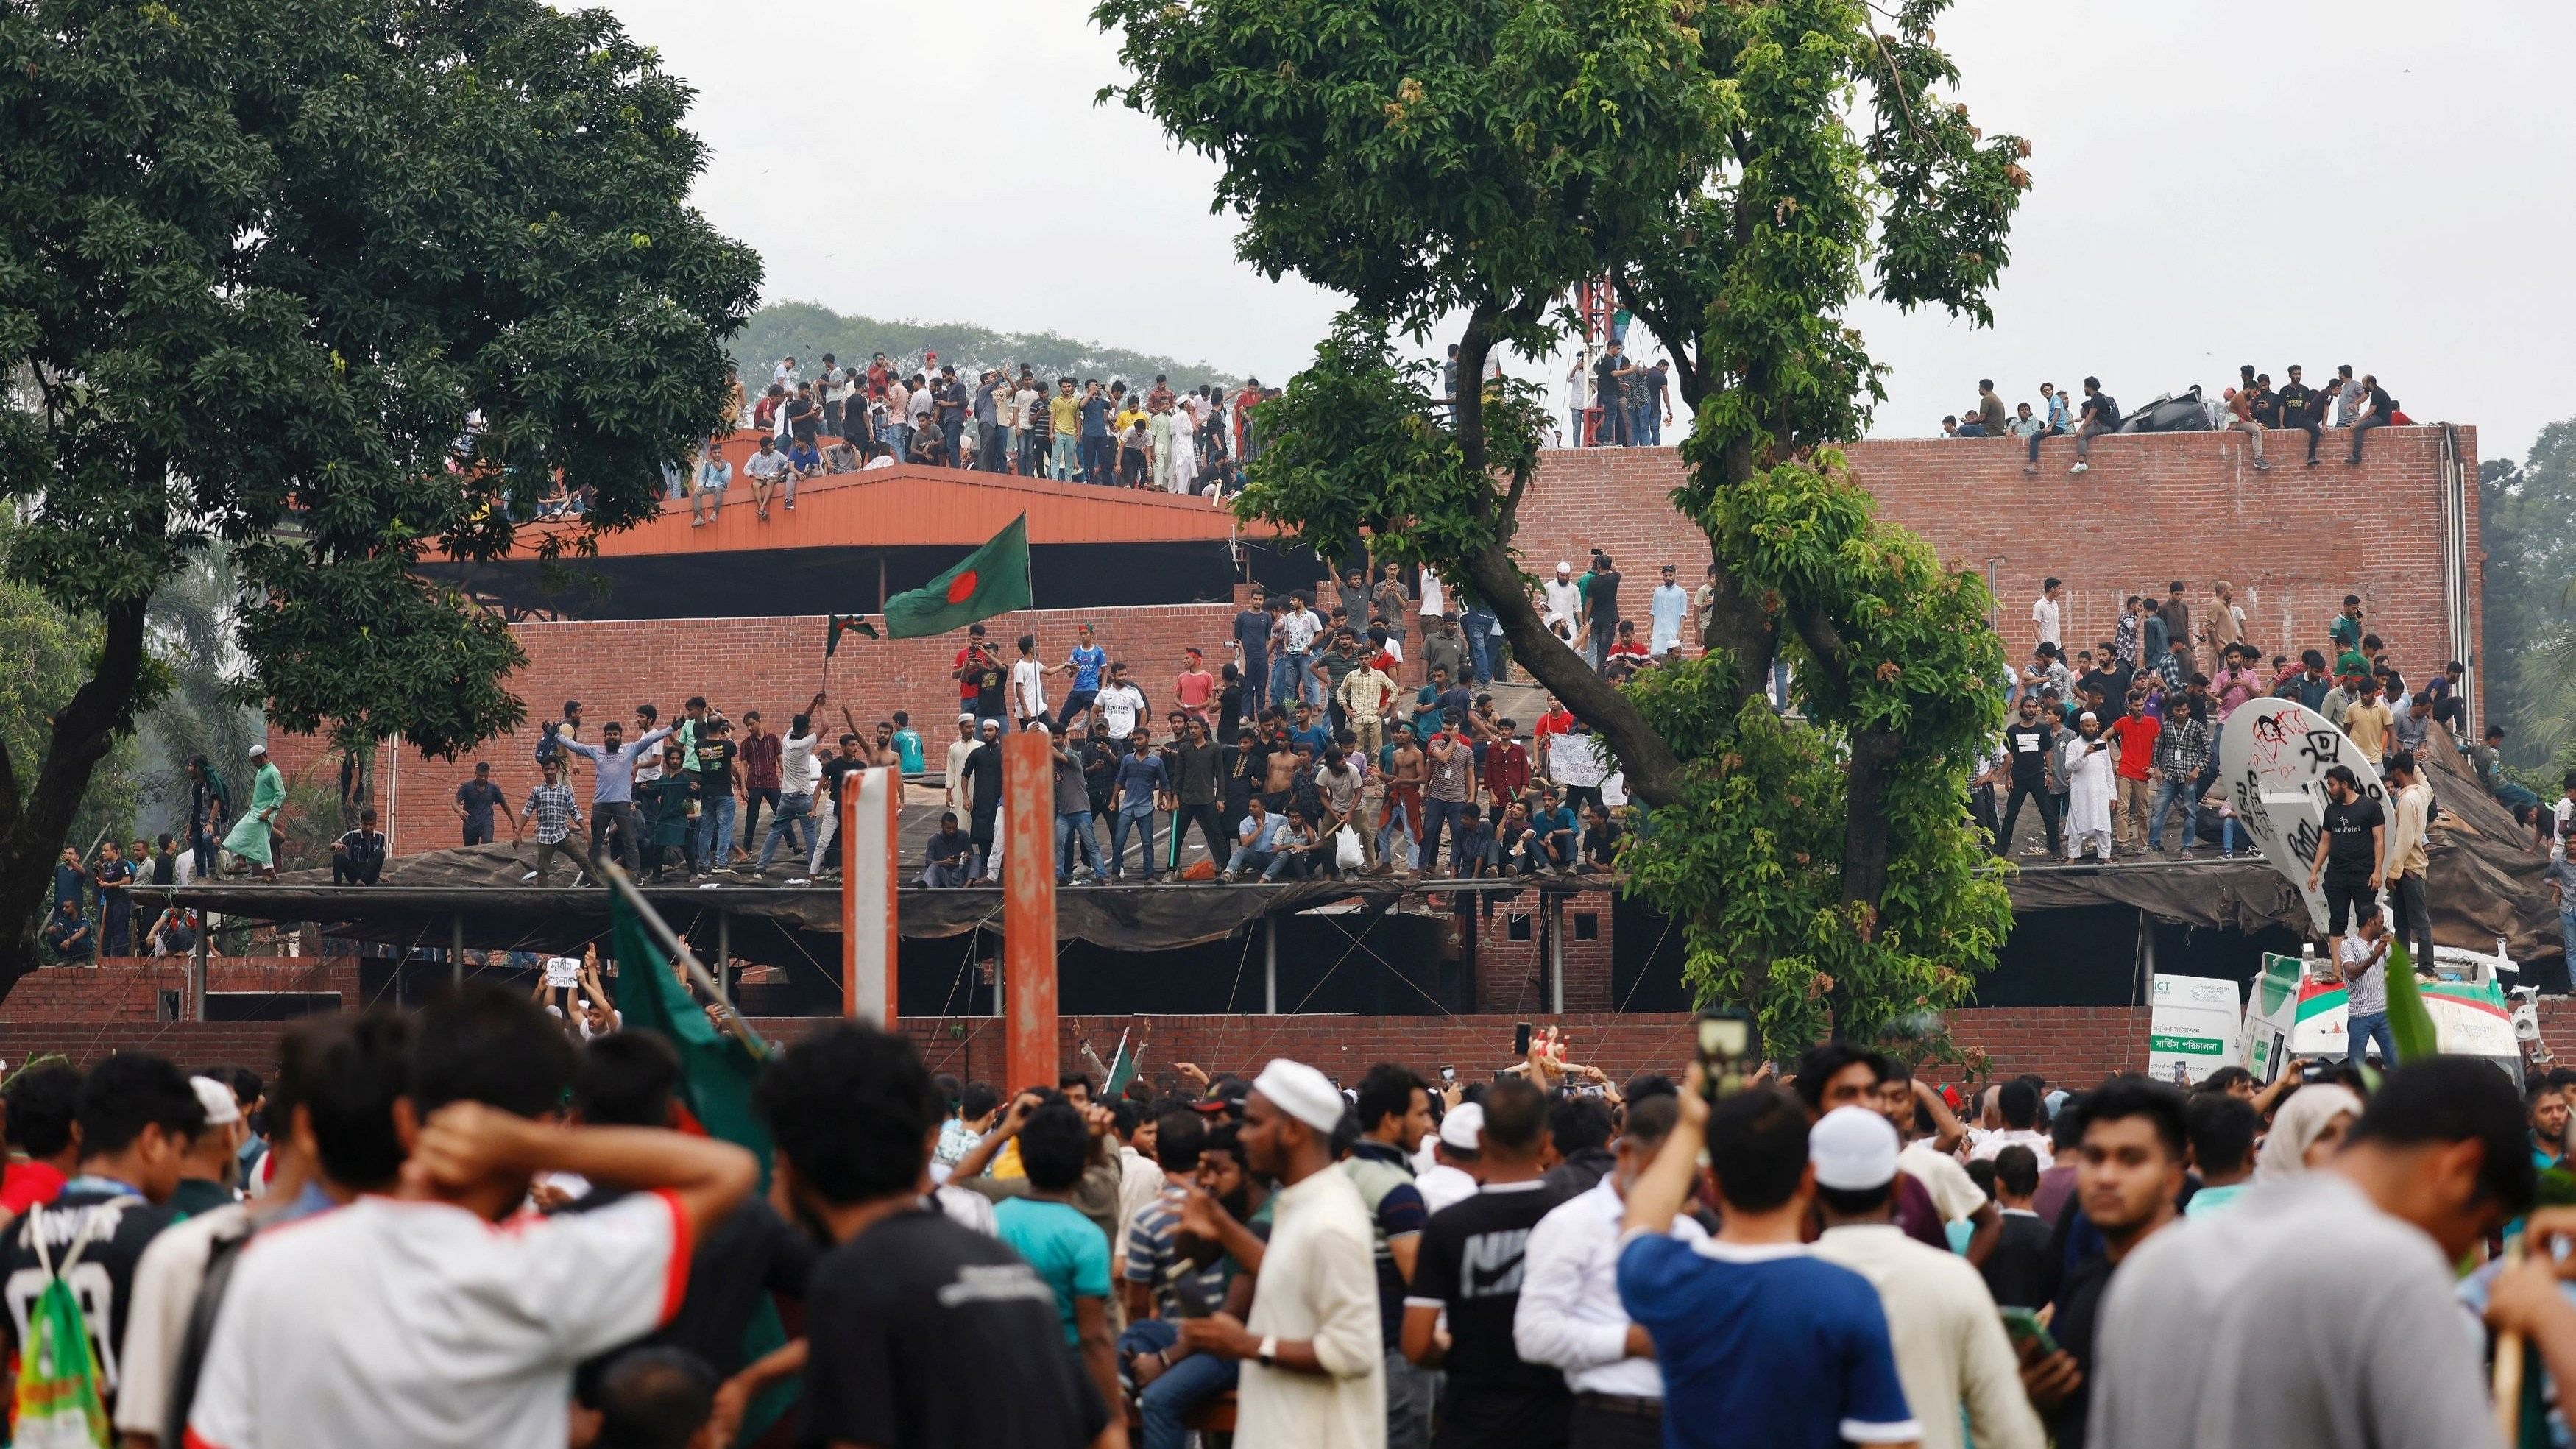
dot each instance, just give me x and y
(1951, 1351)
(1313, 1377)
(2090, 787)
(1453, 1179)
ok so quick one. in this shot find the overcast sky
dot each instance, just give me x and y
(2216, 183)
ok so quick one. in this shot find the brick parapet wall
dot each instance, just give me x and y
(2155, 508)
(129, 989)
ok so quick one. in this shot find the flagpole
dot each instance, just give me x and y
(668, 940)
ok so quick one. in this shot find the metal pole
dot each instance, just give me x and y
(1270, 965)
(1556, 954)
(195, 1007)
(663, 936)
(724, 948)
(456, 947)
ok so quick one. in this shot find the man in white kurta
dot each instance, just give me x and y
(2090, 784)
(1314, 1375)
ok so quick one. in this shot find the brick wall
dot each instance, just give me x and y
(2069, 1045)
(2155, 508)
(128, 989)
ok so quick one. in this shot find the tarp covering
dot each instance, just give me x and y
(2479, 880)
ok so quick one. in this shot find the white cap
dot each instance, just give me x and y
(221, 1109)
(2088, 714)
(1853, 1150)
(1563, 567)
(259, 749)
(1464, 1127)
(965, 719)
(1302, 1092)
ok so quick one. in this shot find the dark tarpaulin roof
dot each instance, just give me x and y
(2480, 882)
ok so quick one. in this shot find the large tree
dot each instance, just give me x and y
(331, 281)
(1741, 172)
(2527, 522)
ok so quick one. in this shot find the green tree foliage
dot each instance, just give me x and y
(1741, 172)
(327, 281)
(2527, 524)
(806, 330)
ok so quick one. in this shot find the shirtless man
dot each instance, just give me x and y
(1406, 773)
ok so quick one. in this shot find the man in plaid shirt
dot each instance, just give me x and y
(552, 806)
(2182, 749)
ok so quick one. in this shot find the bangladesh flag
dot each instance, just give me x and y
(992, 580)
(842, 624)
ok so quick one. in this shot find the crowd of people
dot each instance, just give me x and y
(2110, 743)
(1842, 1254)
(845, 419)
(2252, 407)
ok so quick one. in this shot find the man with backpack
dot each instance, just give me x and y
(138, 1116)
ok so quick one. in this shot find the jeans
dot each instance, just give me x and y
(1248, 859)
(1435, 813)
(201, 848)
(1140, 821)
(1479, 627)
(1256, 681)
(2359, 428)
(1033, 453)
(1298, 865)
(1283, 678)
(794, 811)
(953, 432)
(1064, 461)
(2034, 442)
(479, 832)
(2084, 437)
(1212, 832)
(715, 833)
(2167, 792)
(2567, 932)
(1075, 702)
(547, 850)
(1403, 823)
(1070, 831)
(629, 826)
(1411, 1390)
(1097, 456)
(2365, 1027)
(2411, 917)
(752, 796)
(2012, 812)
(1178, 1391)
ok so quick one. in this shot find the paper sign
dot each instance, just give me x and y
(563, 971)
(2272, 762)
(2192, 1030)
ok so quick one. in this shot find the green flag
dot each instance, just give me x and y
(992, 580)
(2409, 1022)
(1122, 1070)
(717, 1075)
(717, 1071)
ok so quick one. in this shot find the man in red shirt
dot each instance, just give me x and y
(1507, 769)
(1195, 687)
(1556, 721)
(967, 689)
(42, 1151)
(2136, 733)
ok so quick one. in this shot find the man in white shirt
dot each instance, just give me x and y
(1452, 1176)
(1664, 612)
(408, 1318)
(2017, 1107)
(1120, 704)
(1564, 600)
(2043, 615)
(1028, 684)
(1951, 1352)
(1314, 1372)
(1569, 1316)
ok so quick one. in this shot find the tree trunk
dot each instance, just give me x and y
(31, 835)
(1647, 761)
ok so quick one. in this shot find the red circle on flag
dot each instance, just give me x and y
(962, 587)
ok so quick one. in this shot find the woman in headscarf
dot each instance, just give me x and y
(2307, 1130)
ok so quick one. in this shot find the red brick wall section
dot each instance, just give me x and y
(2154, 508)
(123, 989)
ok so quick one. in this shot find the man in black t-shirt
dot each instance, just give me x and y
(1601, 606)
(138, 1116)
(2100, 414)
(2349, 850)
(1469, 1266)
(983, 775)
(1608, 395)
(474, 801)
(717, 753)
(919, 1331)
(2303, 408)
(2030, 742)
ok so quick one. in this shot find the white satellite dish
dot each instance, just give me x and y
(2272, 764)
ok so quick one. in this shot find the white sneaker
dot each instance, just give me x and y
(531, 875)
(2081, 468)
